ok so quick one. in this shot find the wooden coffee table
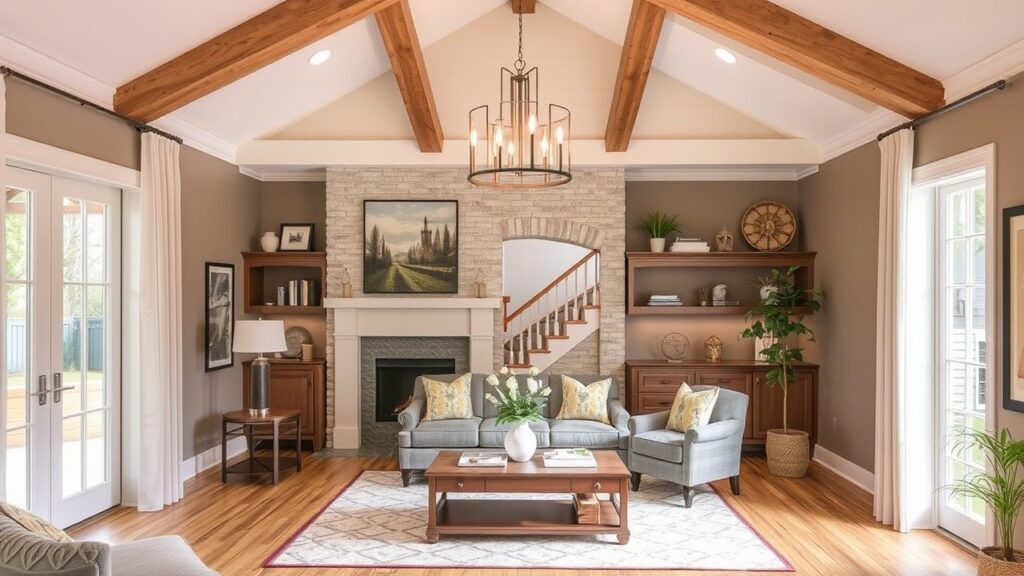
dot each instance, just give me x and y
(525, 517)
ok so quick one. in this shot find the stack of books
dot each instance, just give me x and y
(483, 459)
(569, 458)
(689, 245)
(664, 300)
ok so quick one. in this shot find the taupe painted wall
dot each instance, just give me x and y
(839, 209)
(703, 209)
(220, 212)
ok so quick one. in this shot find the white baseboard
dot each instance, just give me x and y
(843, 467)
(210, 458)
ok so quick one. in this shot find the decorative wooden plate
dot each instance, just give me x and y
(768, 226)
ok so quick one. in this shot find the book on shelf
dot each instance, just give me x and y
(689, 245)
(726, 303)
(664, 300)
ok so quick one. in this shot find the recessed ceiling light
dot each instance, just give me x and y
(319, 57)
(725, 56)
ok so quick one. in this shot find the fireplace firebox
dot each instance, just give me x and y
(396, 378)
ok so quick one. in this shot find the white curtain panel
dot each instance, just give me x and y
(3, 278)
(160, 325)
(891, 496)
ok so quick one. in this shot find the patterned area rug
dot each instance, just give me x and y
(375, 522)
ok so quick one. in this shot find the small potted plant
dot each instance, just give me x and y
(1001, 488)
(519, 408)
(658, 225)
(778, 318)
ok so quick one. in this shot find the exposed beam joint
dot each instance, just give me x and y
(642, 34)
(403, 47)
(524, 6)
(799, 42)
(253, 44)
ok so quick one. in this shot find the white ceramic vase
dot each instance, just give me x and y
(657, 244)
(520, 443)
(270, 242)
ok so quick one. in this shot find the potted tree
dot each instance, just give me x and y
(1001, 488)
(778, 319)
(658, 225)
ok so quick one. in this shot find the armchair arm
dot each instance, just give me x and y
(714, 431)
(647, 422)
(410, 417)
(617, 414)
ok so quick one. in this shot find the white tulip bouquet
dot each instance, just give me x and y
(514, 405)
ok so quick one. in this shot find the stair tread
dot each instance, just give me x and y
(539, 351)
(575, 321)
(591, 306)
(557, 337)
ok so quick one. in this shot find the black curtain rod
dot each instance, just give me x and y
(947, 108)
(140, 126)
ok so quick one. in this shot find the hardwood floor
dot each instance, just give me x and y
(822, 524)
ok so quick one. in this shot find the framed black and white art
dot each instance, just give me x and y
(220, 315)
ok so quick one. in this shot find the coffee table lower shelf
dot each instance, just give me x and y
(520, 517)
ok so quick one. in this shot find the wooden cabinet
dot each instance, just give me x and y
(299, 385)
(651, 386)
(264, 271)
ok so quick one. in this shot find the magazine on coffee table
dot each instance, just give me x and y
(569, 458)
(483, 459)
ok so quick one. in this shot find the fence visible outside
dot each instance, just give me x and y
(17, 345)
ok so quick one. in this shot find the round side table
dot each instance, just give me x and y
(273, 427)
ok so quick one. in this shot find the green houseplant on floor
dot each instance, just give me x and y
(658, 225)
(1001, 489)
(779, 318)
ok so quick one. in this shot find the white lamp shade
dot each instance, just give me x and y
(259, 336)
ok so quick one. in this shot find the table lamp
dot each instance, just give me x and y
(257, 337)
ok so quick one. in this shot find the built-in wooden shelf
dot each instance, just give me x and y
(284, 265)
(683, 266)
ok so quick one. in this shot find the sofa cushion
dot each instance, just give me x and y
(691, 409)
(582, 434)
(447, 400)
(492, 434)
(476, 389)
(34, 523)
(585, 402)
(447, 434)
(664, 445)
(152, 556)
(555, 382)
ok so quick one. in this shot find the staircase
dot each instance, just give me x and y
(556, 319)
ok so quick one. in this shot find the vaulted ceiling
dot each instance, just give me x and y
(577, 43)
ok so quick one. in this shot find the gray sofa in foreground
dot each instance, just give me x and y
(27, 553)
(699, 455)
(419, 441)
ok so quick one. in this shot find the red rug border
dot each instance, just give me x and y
(269, 562)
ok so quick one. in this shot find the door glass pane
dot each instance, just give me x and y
(96, 448)
(958, 261)
(96, 263)
(978, 260)
(72, 349)
(17, 234)
(956, 323)
(95, 353)
(956, 389)
(16, 473)
(73, 240)
(978, 214)
(18, 348)
(72, 462)
(957, 213)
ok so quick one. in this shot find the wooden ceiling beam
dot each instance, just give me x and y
(524, 6)
(799, 42)
(642, 34)
(403, 47)
(253, 44)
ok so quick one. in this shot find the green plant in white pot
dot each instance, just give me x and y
(1000, 487)
(780, 319)
(658, 225)
(519, 408)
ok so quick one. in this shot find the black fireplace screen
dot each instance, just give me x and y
(395, 379)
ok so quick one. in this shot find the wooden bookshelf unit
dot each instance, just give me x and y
(263, 271)
(683, 273)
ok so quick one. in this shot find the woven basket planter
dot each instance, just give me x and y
(789, 452)
(991, 563)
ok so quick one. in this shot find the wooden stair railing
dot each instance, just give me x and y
(545, 315)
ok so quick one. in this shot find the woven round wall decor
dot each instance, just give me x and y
(768, 226)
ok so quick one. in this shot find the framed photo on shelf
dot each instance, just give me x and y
(411, 246)
(296, 238)
(220, 315)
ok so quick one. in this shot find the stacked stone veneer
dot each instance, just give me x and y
(590, 211)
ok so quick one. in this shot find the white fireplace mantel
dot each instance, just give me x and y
(355, 318)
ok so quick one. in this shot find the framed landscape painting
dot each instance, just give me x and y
(410, 246)
(220, 315)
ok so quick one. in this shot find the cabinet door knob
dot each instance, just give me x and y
(461, 484)
(665, 381)
(597, 485)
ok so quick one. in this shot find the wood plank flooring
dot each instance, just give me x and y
(822, 524)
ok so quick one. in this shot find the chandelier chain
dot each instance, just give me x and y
(520, 62)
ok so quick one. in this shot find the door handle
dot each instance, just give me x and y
(58, 387)
(41, 394)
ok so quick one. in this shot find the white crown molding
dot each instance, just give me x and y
(877, 122)
(782, 173)
(1003, 64)
(41, 67)
(271, 175)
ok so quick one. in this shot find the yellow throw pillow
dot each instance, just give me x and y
(448, 400)
(33, 523)
(581, 402)
(691, 409)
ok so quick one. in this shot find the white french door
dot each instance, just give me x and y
(964, 367)
(62, 386)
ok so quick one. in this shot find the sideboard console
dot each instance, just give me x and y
(651, 386)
